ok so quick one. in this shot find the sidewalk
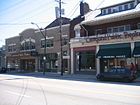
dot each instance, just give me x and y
(51, 75)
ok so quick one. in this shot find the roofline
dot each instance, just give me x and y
(97, 20)
(116, 4)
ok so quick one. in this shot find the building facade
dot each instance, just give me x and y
(2, 57)
(106, 38)
(26, 51)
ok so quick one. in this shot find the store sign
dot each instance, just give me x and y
(119, 35)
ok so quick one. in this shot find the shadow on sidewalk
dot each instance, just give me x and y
(73, 77)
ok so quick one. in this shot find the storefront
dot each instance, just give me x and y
(85, 60)
(112, 55)
(136, 55)
(23, 61)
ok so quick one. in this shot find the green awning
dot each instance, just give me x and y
(136, 51)
(114, 51)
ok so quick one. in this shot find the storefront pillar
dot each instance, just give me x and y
(36, 64)
(72, 61)
(97, 61)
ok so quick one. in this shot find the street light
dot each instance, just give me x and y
(44, 35)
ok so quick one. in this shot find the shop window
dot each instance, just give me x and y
(138, 25)
(85, 61)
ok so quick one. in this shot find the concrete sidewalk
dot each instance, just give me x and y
(81, 77)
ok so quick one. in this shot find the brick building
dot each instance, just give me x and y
(26, 51)
(108, 37)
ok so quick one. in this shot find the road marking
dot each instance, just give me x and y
(18, 94)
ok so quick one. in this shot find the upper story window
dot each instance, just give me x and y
(49, 43)
(120, 8)
(28, 44)
(98, 31)
(132, 5)
(109, 10)
(126, 6)
(104, 12)
(138, 25)
(118, 28)
(127, 27)
(12, 48)
(65, 53)
(64, 41)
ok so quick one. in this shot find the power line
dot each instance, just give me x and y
(97, 7)
(73, 9)
(19, 23)
(14, 7)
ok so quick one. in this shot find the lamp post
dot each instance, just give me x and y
(44, 35)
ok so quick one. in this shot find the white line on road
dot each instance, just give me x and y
(18, 94)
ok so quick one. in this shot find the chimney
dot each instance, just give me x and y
(84, 8)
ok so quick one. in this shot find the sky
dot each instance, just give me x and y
(17, 15)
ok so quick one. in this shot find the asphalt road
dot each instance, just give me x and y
(27, 90)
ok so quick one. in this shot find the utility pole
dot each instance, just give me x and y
(60, 25)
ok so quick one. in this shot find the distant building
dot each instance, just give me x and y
(26, 51)
(2, 57)
(107, 37)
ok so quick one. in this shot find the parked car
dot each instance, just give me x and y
(3, 70)
(117, 74)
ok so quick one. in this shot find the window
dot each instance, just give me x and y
(28, 45)
(42, 43)
(104, 11)
(138, 26)
(65, 53)
(12, 48)
(98, 31)
(109, 10)
(127, 27)
(126, 6)
(109, 30)
(64, 41)
(120, 8)
(132, 5)
(115, 29)
(49, 43)
(121, 28)
(77, 32)
(9, 48)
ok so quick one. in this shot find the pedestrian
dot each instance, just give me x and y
(132, 68)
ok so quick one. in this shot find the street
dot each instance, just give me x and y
(29, 90)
